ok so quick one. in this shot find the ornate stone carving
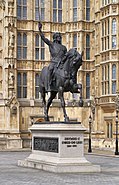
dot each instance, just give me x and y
(11, 41)
(2, 4)
(11, 83)
(11, 79)
(12, 101)
(10, 7)
(14, 109)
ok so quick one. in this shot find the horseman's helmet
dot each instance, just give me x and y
(57, 34)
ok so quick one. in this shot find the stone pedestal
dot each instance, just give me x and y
(58, 147)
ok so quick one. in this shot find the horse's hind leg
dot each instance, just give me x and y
(80, 101)
(61, 96)
(52, 96)
(44, 104)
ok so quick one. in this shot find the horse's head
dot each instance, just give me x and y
(74, 60)
(77, 61)
(75, 57)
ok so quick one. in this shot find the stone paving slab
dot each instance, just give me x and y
(11, 174)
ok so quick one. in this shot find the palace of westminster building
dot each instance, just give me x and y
(91, 26)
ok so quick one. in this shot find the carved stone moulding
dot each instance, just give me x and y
(114, 8)
(10, 1)
(14, 110)
(104, 99)
(10, 62)
(10, 7)
(11, 22)
(2, 4)
(12, 101)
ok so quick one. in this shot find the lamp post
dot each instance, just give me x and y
(91, 104)
(90, 123)
(117, 110)
(116, 147)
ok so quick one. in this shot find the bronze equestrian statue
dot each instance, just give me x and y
(61, 74)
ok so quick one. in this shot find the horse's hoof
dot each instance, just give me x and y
(80, 103)
(66, 119)
(46, 118)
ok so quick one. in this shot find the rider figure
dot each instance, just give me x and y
(57, 51)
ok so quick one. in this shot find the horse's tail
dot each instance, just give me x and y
(43, 79)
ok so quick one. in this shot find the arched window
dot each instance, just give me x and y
(105, 2)
(19, 85)
(87, 10)
(74, 10)
(105, 28)
(37, 86)
(103, 73)
(24, 46)
(114, 26)
(37, 40)
(19, 38)
(87, 47)
(102, 44)
(42, 50)
(113, 79)
(102, 28)
(22, 9)
(75, 41)
(87, 86)
(39, 10)
(114, 1)
(105, 79)
(21, 46)
(22, 85)
(108, 26)
(57, 10)
(114, 72)
(114, 39)
(39, 48)
(105, 76)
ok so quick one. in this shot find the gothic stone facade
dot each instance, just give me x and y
(90, 26)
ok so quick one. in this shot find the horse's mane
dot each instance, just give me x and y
(69, 63)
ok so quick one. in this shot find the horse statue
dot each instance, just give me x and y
(64, 80)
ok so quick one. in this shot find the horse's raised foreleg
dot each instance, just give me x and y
(52, 96)
(61, 96)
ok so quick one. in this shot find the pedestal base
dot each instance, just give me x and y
(59, 148)
(57, 166)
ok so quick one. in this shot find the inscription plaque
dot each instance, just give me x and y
(72, 141)
(46, 144)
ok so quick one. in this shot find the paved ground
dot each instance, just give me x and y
(11, 174)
